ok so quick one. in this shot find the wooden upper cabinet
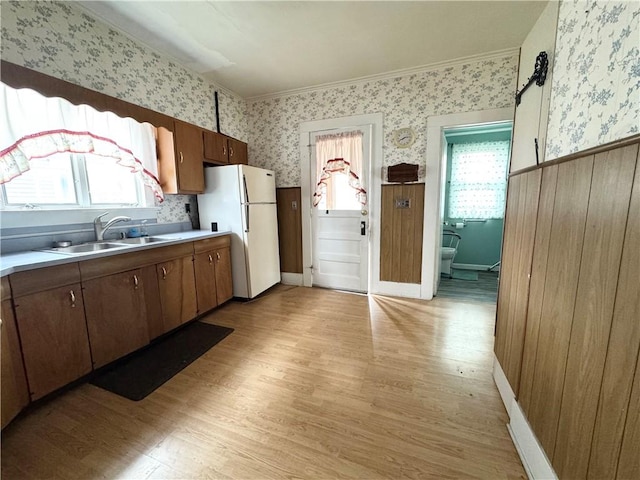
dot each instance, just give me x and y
(223, 150)
(215, 147)
(189, 156)
(238, 152)
(180, 159)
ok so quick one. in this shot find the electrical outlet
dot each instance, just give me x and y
(187, 207)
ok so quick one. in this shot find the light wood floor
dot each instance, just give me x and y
(312, 384)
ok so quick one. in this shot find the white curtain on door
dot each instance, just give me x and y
(339, 152)
(35, 126)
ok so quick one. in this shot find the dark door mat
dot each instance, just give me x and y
(139, 374)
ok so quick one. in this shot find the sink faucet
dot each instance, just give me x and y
(100, 229)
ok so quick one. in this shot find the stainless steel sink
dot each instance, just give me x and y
(86, 247)
(140, 240)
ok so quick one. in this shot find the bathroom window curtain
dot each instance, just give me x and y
(35, 126)
(340, 152)
(478, 185)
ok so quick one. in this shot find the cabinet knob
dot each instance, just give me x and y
(210, 259)
(181, 158)
(72, 296)
(231, 151)
(135, 282)
(164, 273)
(218, 255)
(224, 150)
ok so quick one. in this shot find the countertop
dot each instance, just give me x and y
(29, 260)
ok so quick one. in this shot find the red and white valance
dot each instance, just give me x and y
(340, 152)
(35, 126)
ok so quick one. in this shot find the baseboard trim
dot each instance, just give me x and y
(504, 388)
(532, 456)
(291, 279)
(394, 289)
(470, 266)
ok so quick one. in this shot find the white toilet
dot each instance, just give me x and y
(448, 251)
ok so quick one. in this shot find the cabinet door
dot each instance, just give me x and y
(177, 291)
(189, 157)
(215, 147)
(224, 283)
(238, 152)
(205, 281)
(53, 332)
(116, 315)
(15, 395)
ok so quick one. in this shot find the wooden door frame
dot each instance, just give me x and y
(433, 192)
(374, 193)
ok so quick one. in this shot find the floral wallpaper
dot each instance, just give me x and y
(406, 101)
(595, 96)
(60, 40)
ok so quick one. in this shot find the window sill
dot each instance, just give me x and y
(39, 218)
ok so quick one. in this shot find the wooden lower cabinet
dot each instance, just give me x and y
(15, 394)
(53, 333)
(116, 315)
(213, 272)
(177, 285)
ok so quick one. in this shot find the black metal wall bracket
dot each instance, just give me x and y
(539, 75)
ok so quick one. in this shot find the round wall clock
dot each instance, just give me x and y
(404, 137)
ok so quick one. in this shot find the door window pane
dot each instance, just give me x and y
(343, 195)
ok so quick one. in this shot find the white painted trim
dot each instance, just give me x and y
(374, 194)
(393, 289)
(287, 278)
(433, 185)
(533, 458)
(392, 74)
(506, 393)
(470, 266)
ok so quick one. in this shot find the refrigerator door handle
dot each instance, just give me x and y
(246, 190)
(246, 211)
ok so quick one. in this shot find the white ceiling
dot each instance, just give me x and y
(264, 47)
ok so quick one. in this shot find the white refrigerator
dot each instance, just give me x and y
(242, 200)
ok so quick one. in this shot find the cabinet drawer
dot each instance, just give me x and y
(101, 267)
(32, 281)
(211, 243)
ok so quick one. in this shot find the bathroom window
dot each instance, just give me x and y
(478, 180)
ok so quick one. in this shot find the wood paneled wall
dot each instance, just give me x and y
(290, 229)
(569, 341)
(401, 233)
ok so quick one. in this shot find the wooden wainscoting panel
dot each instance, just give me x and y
(561, 283)
(523, 252)
(537, 283)
(629, 462)
(602, 249)
(622, 355)
(290, 229)
(599, 267)
(401, 233)
(507, 268)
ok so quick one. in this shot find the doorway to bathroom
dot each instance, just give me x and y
(474, 184)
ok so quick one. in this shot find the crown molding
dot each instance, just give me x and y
(387, 75)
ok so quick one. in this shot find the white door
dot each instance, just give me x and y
(340, 235)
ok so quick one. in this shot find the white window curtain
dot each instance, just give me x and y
(35, 126)
(340, 152)
(478, 180)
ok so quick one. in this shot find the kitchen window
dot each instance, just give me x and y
(64, 181)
